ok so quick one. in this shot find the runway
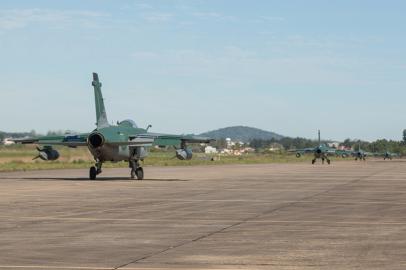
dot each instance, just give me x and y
(272, 216)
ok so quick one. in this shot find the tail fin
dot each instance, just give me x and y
(319, 138)
(101, 116)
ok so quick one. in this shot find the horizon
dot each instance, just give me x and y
(209, 131)
(189, 66)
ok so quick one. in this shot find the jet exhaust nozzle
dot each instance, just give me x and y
(184, 154)
(95, 140)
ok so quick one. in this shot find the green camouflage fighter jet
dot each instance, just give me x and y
(121, 142)
(322, 151)
(388, 155)
(361, 154)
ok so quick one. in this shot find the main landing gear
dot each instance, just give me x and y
(324, 158)
(136, 170)
(95, 170)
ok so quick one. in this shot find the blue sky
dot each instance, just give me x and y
(190, 66)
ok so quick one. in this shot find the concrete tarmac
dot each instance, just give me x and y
(349, 215)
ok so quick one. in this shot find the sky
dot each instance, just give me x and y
(190, 66)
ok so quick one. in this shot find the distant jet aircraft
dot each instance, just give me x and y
(387, 155)
(122, 142)
(322, 151)
(361, 154)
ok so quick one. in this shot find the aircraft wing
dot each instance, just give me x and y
(65, 140)
(146, 139)
(81, 140)
(331, 151)
(173, 140)
(302, 151)
(370, 154)
(344, 153)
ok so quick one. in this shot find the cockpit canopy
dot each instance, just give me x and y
(128, 123)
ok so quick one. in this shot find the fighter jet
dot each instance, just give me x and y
(122, 142)
(387, 155)
(360, 154)
(322, 151)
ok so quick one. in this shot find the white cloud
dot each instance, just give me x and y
(213, 16)
(272, 18)
(21, 18)
(158, 17)
(143, 6)
(237, 66)
(145, 55)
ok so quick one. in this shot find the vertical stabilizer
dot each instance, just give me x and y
(319, 138)
(101, 116)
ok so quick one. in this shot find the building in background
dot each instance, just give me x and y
(8, 141)
(210, 150)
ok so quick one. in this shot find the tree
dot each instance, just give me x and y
(219, 144)
(347, 143)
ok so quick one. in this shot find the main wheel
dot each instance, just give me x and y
(92, 173)
(328, 161)
(140, 173)
(313, 161)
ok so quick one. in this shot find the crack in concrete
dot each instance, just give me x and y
(271, 211)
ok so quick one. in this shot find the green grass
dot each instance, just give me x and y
(10, 159)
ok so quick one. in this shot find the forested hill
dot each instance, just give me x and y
(242, 133)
